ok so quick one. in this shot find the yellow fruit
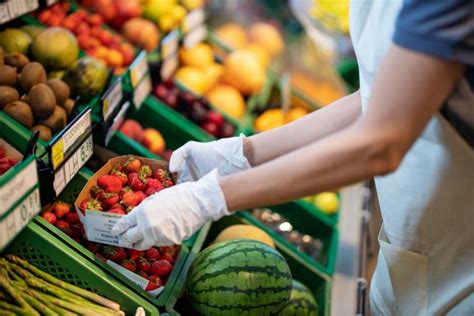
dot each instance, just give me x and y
(269, 119)
(243, 70)
(246, 232)
(200, 55)
(228, 100)
(232, 35)
(178, 12)
(192, 4)
(167, 23)
(328, 202)
(155, 9)
(268, 37)
(295, 113)
(192, 78)
(260, 52)
(212, 74)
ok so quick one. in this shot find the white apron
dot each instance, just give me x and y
(426, 259)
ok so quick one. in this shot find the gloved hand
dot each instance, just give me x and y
(194, 160)
(174, 214)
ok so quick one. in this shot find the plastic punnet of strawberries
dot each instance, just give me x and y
(119, 192)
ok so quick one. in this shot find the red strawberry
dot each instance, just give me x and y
(125, 190)
(62, 225)
(168, 257)
(61, 209)
(129, 265)
(145, 171)
(118, 211)
(135, 182)
(143, 265)
(168, 183)
(151, 286)
(49, 217)
(152, 254)
(118, 205)
(172, 250)
(110, 183)
(101, 257)
(75, 231)
(162, 174)
(72, 217)
(132, 165)
(154, 184)
(108, 199)
(93, 247)
(156, 280)
(116, 254)
(133, 198)
(95, 190)
(117, 167)
(119, 174)
(143, 274)
(91, 204)
(161, 268)
(134, 252)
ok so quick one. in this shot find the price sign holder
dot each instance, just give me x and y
(140, 79)
(169, 47)
(68, 152)
(194, 28)
(10, 10)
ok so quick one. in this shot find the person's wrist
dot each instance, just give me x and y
(210, 197)
(248, 149)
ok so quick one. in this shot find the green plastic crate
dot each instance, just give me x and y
(43, 250)
(317, 282)
(69, 195)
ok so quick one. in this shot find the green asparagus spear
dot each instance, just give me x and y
(39, 306)
(13, 308)
(72, 288)
(7, 266)
(5, 312)
(5, 284)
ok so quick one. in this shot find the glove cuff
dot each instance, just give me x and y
(211, 198)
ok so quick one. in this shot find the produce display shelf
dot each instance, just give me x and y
(42, 249)
(309, 275)
(69, 195)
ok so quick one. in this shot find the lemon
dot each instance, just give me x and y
(328, 202)
(200, 55)
(228, 99)
(269, 119)
(192, 78)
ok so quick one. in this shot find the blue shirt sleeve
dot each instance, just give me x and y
(443, 28)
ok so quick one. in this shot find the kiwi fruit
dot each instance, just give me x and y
(20, 112)
(44, 131)
(7, 75)
(42, 100)
(68, 106)
(17, 60)
(8, 95)
(60, 89)
(1, 56)
(57, 121)
(32, 74)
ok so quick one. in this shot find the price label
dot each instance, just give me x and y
(65, 143)
(18, 186)
(135, 278)
(4, 14)
(169, 45)
(138, 69)
(193, 19)
(119, 118)
(19, 217)
(70, 168)
(141, 92)
(50, 2)
(18, 8)
(112, 98)
(194, 37)
(169, 66)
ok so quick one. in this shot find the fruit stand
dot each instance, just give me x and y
(95, 96)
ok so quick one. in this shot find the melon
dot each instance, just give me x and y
(15, 41)
(243, 231)
(301, 303)
(55, 48)
(239, 277)
(86, 77)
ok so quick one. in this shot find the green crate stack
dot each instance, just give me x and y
(40, 248)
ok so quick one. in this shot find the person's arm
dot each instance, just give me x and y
(409, 89)
(269, 145)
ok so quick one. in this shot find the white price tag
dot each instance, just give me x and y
(169, 66)
(135, 278)
(70, 168)
(20, 7)
(117, 122)
(138, 69)
(193, 19)
(19, 217)
(194, 37)
(4, 14)
(98, 227)
(141, 92)
(169, 45)
(50, 2)
(14, 189)
(111, 99)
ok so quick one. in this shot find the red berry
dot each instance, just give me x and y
(211, 128)
(61, 209)
(152, 254)
(143, 264)
(108, 199)
(93, 247)
(156, 280)
(72, 217)
(118, 211)
(132, 165)
(110, 183)
(116, 254)
(215, 118)
(62, 225)
(161, 268)
(129, 265)
(135, 182)
(143, 274)
(49, 217)
(101, 257)
(151, 286)
(134, 252)
(162, 175)
(168, 257)
(122, 176)
(132, 199)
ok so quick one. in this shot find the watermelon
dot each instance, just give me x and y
(301, 303)
(239, 277)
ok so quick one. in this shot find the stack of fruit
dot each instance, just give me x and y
(195, 108)
(5, 162)
(96, 41)
(150, 137)
(167, 14)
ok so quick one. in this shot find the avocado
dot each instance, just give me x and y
(7, 75)
(20, 112)
(8, 95)
(32, 74)
(60, 89)
(42, 100)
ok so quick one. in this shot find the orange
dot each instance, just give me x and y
(212, 74)
(262, 55)
(268, 37)
(228, 99)
(295, 113)
(269, 119)
(200, 55)
(232, 35)
(243, 70)
(192, 78)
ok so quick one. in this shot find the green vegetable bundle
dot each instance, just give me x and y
(26, 290)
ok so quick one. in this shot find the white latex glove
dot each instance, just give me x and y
(174, 214)
(194, 159)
